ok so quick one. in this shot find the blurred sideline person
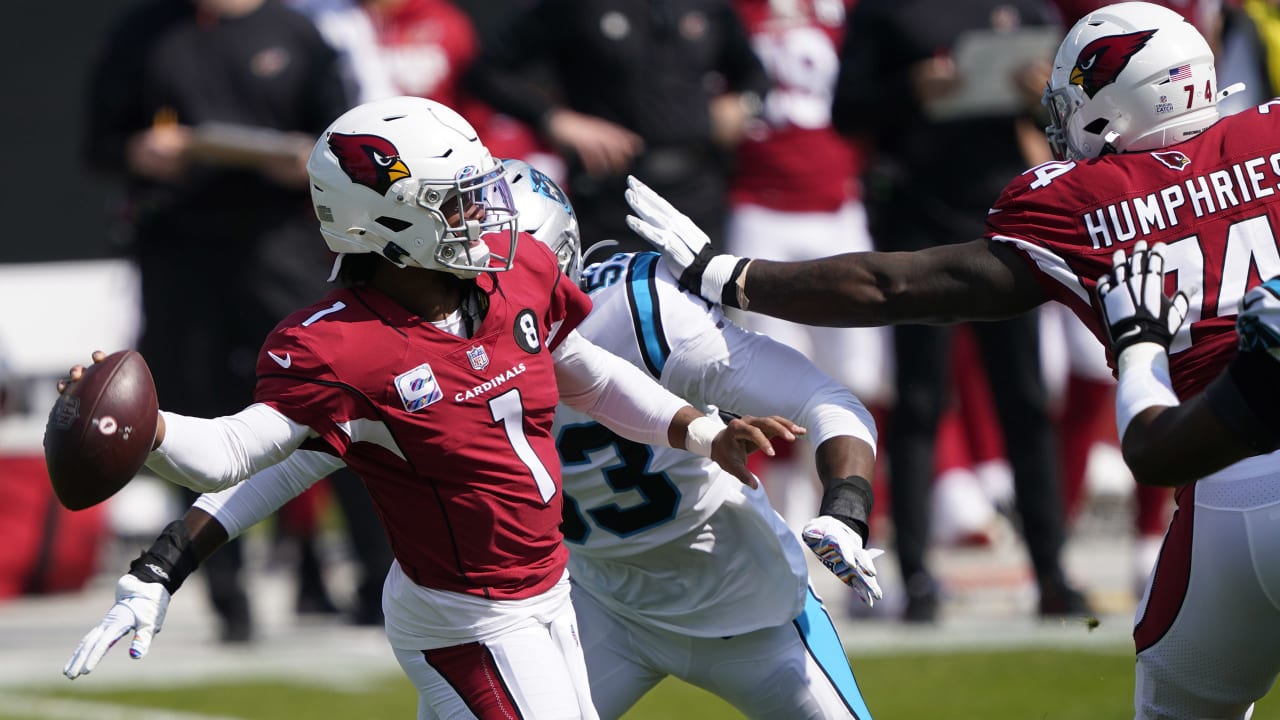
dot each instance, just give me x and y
(782, 207)
(423, 48)
(434, 374)
(660, 90)
(929, 179)
(1224, 536)
(224, 250)
(1143, 156)
(677, 569)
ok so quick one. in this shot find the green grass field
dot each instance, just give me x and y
(1014, 685)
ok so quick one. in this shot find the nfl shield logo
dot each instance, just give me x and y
(478, 357)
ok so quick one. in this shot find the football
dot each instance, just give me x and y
(100, 430)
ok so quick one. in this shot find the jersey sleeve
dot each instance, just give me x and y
(738, 370)
(569, 304)
(1033, 216)
(294, 379)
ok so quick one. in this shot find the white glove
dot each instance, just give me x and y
(1258, 323)
(1133, 302)
(140, 608)
(840, 549)
(683, 244)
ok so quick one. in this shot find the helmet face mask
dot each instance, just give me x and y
(546, 214)
(408, 178)
(1129, 77)
(1062, 104)
(476, 205)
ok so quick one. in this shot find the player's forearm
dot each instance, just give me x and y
(241, 507)
(838, 291)
(179, 550)
(212, 454)
(207, 534)
(843, 456)
(618, 394)
(1168, 443)
(1170, 446)
(977, 280)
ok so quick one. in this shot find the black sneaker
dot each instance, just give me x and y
(1062, 600)
(923, 599)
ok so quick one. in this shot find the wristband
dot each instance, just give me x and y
(849, 500)
(169, 560)
(1143, 372)
(701, 433)
(1244, 400)
(733, 291)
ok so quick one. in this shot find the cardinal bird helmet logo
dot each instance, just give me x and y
(368, 160)
(1102, 60)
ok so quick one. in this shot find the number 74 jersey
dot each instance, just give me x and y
(1213, 199)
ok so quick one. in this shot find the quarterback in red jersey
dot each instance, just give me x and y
(433, 373)
(1142, 156)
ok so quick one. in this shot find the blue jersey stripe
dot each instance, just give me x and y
(642, 294)
(819, 636)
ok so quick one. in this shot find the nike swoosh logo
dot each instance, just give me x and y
(1131, 332)
(285, 361)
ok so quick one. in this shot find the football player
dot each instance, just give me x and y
(676, 568)
(433, 373)
(1142, 155)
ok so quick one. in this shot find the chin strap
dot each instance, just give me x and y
(1108, 143)
(337, 267)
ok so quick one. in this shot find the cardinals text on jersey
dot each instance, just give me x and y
(456, 451)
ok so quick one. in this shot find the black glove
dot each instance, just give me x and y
(1133, 302)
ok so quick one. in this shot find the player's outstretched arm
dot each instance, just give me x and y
(1164, 441)
(979, 280)
(212, 454)
(738, 372)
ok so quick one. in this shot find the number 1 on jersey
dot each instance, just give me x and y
(508, 409)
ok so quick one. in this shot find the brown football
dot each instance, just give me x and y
(100, 430)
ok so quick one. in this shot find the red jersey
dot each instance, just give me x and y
(1213, 199)
(795, 160)
(1201, 13)
(452, 436)
(426, 46)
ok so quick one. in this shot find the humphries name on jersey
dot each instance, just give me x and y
(1068, 218)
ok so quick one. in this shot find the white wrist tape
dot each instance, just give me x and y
(701, 433)
(719, 278)
(1143, 371)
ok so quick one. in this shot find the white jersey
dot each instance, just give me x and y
(663, 536)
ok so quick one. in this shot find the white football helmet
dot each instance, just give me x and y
(409, 179)
(1129, 77)
(546, 214)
